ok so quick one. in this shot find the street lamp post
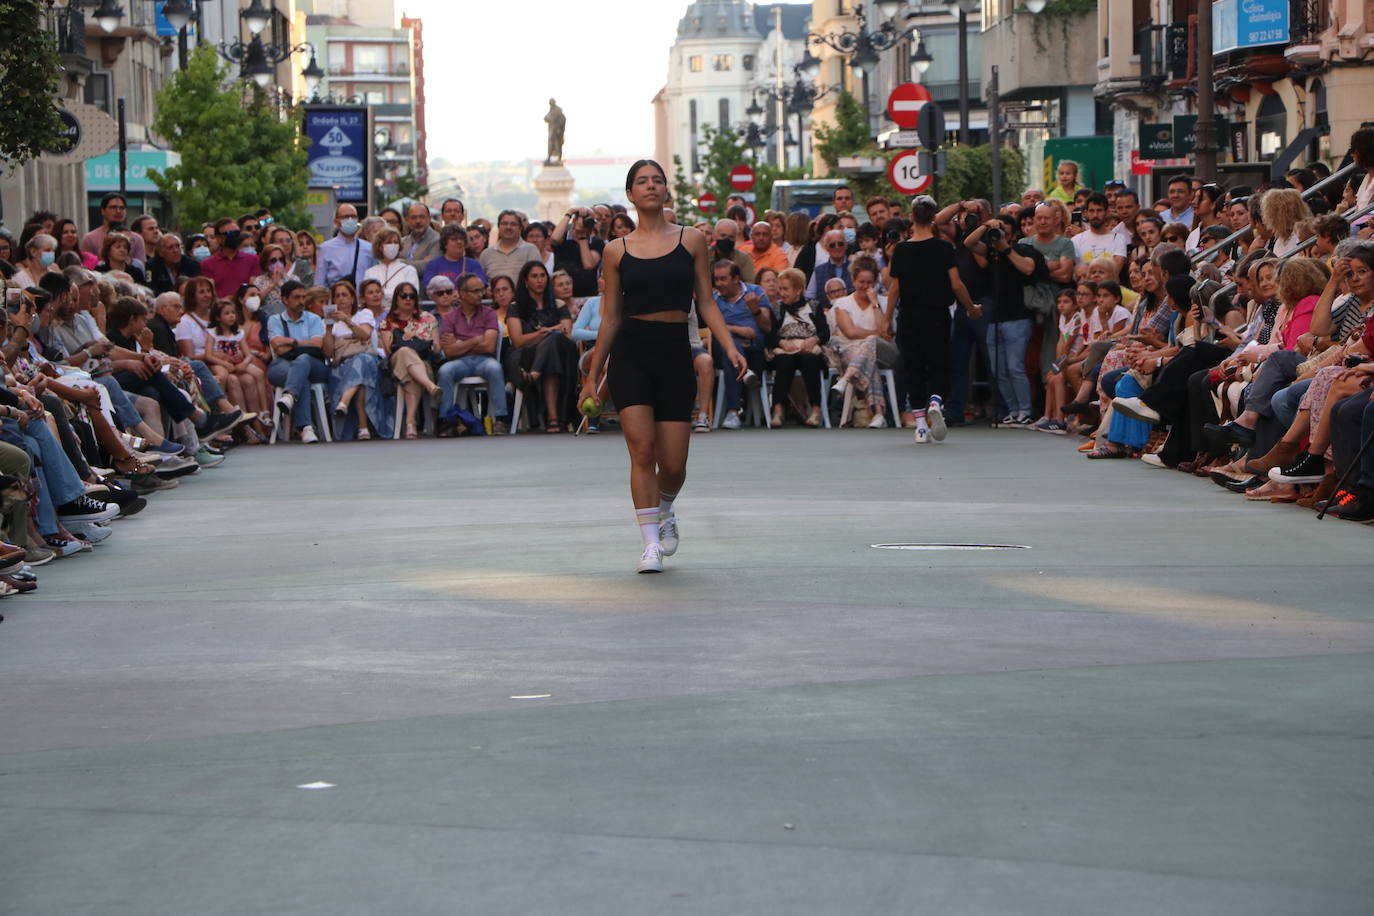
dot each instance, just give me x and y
(965, 7)
(863, 46)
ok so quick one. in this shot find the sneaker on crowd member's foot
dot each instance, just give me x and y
(935, 418)
(86, 509)
(731, 421)
(174, 465)
(840, 387)
(222, 422)
(921, 436)
(1054, 428)
(286, 403)
(751, 379)
(1309, 468)
(35, 555)
(499, 428)
(185, 467)
(1022, 420)
(92, 532)
(151, 483)
(593, 427)
(208, 459)
(879, 421)
(168, 447)
(308, 435)
(1040, 424)
(132, 506)
(1360, 509)
(1136, 409)
(1004, 423)
(1152, 460)
(63, 547)
(651, 561)
(668, 535)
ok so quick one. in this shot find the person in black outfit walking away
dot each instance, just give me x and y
(644, 332)
(925, 280)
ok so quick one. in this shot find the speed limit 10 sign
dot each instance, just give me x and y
(905, 173)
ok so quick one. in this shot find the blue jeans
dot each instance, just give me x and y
(58, 482)
(208, 386)
(473, 364)
(1284, 404)
(296, 376)
(966, 336)
(124, 410)
(1007, 342)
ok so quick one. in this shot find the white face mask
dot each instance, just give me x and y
(390, 250)
(251, 303)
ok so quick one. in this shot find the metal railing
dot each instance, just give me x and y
(1307, 20)
(1337, 178)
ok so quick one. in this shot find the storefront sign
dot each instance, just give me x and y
(1156, 141)
(340, 150)
(102, 172)
(86, 131)
(1248, 24)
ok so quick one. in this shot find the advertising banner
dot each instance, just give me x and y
(1248, 24)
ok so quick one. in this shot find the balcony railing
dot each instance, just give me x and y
(1166, 51)
(1307, 19)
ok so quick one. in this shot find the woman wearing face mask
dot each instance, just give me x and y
(39, 255)
(200, 249)
(275, 272)
(388, 269)
(249, 301)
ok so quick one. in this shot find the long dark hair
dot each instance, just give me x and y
(395, 294)
(630, 175)
(525, 306)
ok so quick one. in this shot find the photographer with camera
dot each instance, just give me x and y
(968, 334)
(577, 249)
(1011, 265)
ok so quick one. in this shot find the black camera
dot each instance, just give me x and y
(589, 223)
(1354, 360)
(993, 235)
(970, 222)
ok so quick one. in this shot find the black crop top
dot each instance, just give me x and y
(657, 284)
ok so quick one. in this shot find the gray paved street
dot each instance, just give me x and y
(1163, 706)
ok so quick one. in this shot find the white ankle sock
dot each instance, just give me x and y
(648, 525)
(665, 503)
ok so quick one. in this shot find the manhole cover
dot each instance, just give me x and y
(951, 546)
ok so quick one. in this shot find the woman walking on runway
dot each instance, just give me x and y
(650, 278)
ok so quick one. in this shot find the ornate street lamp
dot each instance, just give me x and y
(256, 17)
(921, 60)
(863, 46)
(178, 13)
(313, 75)
(108, 15)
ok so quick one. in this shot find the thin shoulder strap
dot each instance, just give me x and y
(681, 229)
(625, 243)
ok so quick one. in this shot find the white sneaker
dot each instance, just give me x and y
(651, 561)
(1152, 460)
(308, 434)
(879, 421)
(92, 532)
(667, 535)
(922, 435)
(286, 403)
(840, 387)
(1136, 409)
(751, 379)
(731, 420)
(935, 416)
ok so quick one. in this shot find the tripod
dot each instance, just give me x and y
(1354, 468)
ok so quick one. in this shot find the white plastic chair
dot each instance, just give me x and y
(890, 380)
(757, 409)
(428, 411)
(324, 422)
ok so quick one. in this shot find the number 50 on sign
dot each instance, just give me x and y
(905, 173)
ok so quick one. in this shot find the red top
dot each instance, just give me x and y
(230, 273)
(1300, 323)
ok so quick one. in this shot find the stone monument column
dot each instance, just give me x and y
(554, 183)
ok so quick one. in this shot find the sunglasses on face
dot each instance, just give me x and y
(405, 296)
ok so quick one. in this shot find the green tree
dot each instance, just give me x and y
(236, 154)
(30, 74)
(683, 193)
(848, 136)
(724, 150)
(408, 185)
(968, 174)
(768, 173)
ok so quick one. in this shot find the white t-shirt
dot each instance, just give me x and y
(391, 276)
(230, 345)
(196, 331)
(1119, 317)
(363, 317)
(863, 318)
(1089, 245)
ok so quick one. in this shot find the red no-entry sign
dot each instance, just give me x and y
(742, 178)
(706, 203)
(904, 104)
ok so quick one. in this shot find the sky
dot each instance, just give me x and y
(603, 60)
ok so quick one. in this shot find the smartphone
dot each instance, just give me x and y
(12, 295)
(1076, 217)
(329, 309)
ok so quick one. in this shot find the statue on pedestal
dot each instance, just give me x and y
(557, 123)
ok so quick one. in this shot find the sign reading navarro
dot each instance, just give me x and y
(339, 150)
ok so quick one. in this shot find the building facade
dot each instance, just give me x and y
(728, 57)
(1293, 79)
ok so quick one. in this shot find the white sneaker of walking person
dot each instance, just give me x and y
(731, 420)
(922, 435)
(651, 561)
(668, 536)
(935, 418)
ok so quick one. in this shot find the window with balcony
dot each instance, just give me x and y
(338, 63)
(370, 59)
(942, 78)
(695, 63)
(723, 62)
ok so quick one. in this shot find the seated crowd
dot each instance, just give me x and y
(1222, 331)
